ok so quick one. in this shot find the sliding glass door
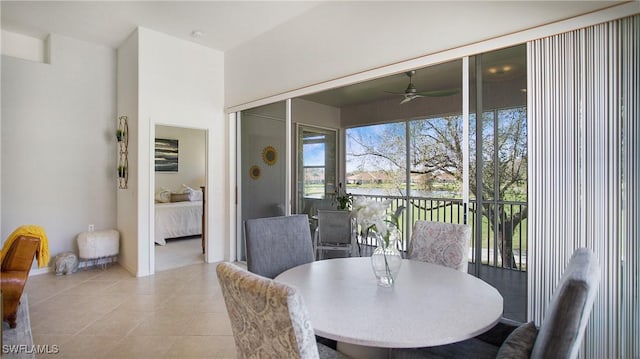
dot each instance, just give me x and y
(262, 170)
(417, 161)
(442, 160)
(498, 173)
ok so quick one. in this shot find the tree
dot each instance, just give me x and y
(379, 149)
(504, 175)
(436, 149)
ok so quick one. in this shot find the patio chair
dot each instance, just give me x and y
(316, 205)
(559, 336)
(440, 243)
(334, 232)
(268, 319)
(276, 244)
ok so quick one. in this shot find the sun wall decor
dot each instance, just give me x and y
(255, 172)
(270, 155)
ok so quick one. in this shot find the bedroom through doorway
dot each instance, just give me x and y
(180, 176)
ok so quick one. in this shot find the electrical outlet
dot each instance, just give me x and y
(91, 228)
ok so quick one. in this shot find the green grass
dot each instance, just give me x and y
(312, 190)
(453, 214)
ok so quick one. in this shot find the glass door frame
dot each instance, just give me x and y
(338, 176)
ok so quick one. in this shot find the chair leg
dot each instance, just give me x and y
(11, 318)
(316, 251)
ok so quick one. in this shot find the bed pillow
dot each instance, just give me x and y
(179, 197)
(194, 194)
(163, 195)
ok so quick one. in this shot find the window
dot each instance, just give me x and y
(376, 163)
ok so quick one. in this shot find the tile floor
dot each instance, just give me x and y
(178, 253)
(177, 313)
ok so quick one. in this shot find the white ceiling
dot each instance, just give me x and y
(230, 24)
(445, 76)
(224, 24)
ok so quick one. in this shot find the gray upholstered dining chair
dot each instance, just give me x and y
(559, 336)
(268, 319)
(335, 232)
(440, 243)
(275, 244)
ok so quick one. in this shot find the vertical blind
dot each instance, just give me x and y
(583, 101)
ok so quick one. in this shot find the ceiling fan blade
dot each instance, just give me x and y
(410, 97)
(439, 93)
(411, 93)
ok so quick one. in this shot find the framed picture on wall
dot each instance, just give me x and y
(166, 155)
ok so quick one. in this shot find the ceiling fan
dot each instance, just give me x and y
(411, 93)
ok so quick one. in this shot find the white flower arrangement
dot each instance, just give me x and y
(372, 215)
(386, 259)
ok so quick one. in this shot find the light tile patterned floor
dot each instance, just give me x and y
(177, 313)
(178, 253)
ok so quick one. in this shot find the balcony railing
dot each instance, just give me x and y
(509, 241)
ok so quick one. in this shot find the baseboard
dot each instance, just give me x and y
(39, 271)
(81, 265)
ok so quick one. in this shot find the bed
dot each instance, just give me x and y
(177, 219)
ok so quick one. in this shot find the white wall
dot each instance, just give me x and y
(338, 39)
(191, 159)
(58, 142)
(314, 114)
(127, 212)
(24, 47)
(181, 84)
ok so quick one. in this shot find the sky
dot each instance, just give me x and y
(314, 154)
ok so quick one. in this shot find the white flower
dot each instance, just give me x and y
(372, 214)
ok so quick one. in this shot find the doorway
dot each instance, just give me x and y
(317, 168)
(179, 177)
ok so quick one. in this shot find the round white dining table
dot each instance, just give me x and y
(429, 304)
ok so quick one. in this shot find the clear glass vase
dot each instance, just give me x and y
(386, 259)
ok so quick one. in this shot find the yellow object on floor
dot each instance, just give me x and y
(30, 230)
